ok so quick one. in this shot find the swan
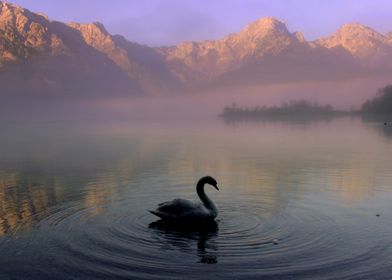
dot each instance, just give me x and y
(185, 210)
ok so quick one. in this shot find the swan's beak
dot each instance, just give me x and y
(216, 187)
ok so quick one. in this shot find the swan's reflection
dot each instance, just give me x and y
(205, 234)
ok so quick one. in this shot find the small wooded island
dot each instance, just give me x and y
(378, 108)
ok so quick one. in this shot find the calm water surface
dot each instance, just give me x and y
(297, 200)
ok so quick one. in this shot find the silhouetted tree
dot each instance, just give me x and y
(381, 104)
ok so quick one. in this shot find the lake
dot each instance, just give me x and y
(297, 200)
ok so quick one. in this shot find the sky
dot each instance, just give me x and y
(168, 22)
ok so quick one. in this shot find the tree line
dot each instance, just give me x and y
(381, 105)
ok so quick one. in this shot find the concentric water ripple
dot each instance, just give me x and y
(250, 240)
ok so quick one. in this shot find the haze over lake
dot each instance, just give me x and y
(296, 200)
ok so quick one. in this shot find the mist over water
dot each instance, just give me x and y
(296, 200)
(343, 95)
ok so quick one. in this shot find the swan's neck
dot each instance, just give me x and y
(205, 199)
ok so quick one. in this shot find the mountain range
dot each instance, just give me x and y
(39, 56)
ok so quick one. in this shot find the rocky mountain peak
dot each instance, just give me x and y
(263, 27)
(95, 35)
(352, 30)
(90, 29)
(24, 34)
(360, 40)
(266, 23)
(7, 6)
(267, 36)
(10, 13)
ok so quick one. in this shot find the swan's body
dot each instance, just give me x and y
(185, 210)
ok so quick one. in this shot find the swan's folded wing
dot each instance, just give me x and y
(180, 209)
(176, 206)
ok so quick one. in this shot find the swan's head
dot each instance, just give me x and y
(211, 181)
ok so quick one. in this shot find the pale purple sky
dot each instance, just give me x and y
(166, 22)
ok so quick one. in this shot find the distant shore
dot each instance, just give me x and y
(377, 109)
(294, 110)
